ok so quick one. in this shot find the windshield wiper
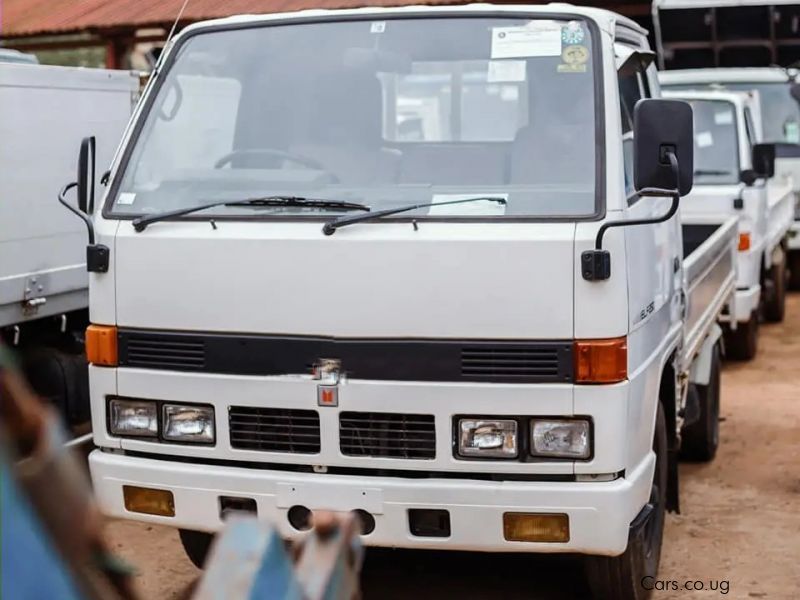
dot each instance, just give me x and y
(141, 223)
(331, 226)
(711, 172)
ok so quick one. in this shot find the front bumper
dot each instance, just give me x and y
(746, 302)
(599, 512)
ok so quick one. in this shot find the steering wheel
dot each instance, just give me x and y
(271, 152)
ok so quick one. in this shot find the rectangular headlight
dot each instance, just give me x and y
(138, 418)
(187, 423)
(561, 438)
(495, 438)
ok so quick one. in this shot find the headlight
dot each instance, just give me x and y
(561, 438)
(137, 418)
(487, 438)
(186, 423)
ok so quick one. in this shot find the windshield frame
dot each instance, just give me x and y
(158, 79)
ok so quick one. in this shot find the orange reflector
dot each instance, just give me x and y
(529, 527)
(744, 242)
(601, 361)
(101, 345)
(149, 501)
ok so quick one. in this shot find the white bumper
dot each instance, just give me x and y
(746, 302)
(599, 512)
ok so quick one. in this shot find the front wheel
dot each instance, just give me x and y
(625, 577)
(742, 344)
(699, 441)
(775, 304)
(196, 544)
(793, 259)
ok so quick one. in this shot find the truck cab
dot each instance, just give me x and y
(729, 182)
(424, 264)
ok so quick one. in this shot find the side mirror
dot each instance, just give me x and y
(660, 128)
(794, 90)
(764, 160)
(748, 177)
(86, 175)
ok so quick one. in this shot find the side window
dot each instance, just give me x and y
(631, 90)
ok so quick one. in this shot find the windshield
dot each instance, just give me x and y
(780, 113)
(716, 151)
(384, 113)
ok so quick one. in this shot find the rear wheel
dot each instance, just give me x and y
(196, 544)
(742, 344)
(620, 577)
(699, 440)
(775, 304)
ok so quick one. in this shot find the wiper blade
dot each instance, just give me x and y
(711, 172)
(141, 223)
(331, 226)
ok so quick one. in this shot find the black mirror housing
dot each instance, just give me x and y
(662, 127)
(748, 177)
(764, 160)
(86, 165)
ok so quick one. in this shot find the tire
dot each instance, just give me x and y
(196, 544)
(793, 259)
(775, 304)
(742, 344)
(60, 378)
(699, 440)
(620, 577)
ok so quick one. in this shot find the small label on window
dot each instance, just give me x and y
(537, 38)
(126, 198)
(377, 27)
(723, 117)
(704, 139)
(506, 71)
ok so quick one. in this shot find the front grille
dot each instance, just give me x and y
(387, 435)
(510, 364)
(274, 429)
(158, 352)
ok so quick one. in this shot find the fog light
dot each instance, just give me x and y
(137, 418)
(488, 438)
(186, 423)
(561, 438)
(527, 527)
(148, 501)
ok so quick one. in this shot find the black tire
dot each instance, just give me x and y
(621, 577)
(196, 544)
(775, 303)
(793, 260)
(699, 440)
(742, 344)
(60, 378)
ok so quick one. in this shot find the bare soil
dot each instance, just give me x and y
(739, 530)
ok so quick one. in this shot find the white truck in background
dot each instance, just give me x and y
(780, 124)
(735, 175)
(477, 338)
(45, 111)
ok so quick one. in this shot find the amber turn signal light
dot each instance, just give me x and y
(148, 501)
(101, 345)
(531, 527)
(744, 242)
(601, 361)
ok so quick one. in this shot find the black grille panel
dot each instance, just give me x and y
(509, 363)
(387, 435)
(274, 429)
(163, 353)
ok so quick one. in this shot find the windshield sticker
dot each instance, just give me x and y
(575, 58)
(377, 27)
(724, 117)
(572, 33)
(480, 208)
(704, 139)
(537, 38)
(791, 132)
(126, 198)
(506, 70)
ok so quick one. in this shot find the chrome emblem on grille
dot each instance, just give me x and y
(327, 372)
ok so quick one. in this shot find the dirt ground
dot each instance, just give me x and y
(739, 530)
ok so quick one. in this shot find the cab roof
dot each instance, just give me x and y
(725, 75)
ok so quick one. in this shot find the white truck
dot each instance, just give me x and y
(779, 122)
(489, 339)
(734, 174)
(44, 295)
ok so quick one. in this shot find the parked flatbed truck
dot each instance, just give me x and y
(487, 333)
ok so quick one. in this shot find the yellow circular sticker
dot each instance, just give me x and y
(575, 55)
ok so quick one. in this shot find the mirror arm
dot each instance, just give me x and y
(83, 216)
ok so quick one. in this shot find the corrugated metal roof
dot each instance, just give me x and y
(34, 17)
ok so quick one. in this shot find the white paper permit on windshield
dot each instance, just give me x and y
(723, 117)
(126, 198)
(704, 139)
(479, 208)
(537, 38)
(502, 71)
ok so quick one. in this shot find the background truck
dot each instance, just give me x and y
(44, 296)
(779, 122)
(479, 338)
(734, 175)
